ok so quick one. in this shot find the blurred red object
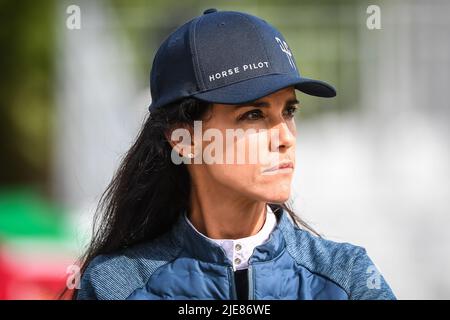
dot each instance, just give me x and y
(31, 274)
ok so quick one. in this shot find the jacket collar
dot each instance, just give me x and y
(201, 248)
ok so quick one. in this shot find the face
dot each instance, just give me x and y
(249, 149)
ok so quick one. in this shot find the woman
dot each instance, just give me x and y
(197, 209)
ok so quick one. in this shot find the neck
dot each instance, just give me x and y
(222, 214)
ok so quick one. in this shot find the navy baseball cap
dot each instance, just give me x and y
(226, 57)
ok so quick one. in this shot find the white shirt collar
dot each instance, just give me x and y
(240, 250)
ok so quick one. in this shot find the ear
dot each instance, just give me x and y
(181, 140)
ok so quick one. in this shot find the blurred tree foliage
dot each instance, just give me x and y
(26, 69)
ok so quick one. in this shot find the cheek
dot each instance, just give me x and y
(236, 176)
(248, 181)
(251, 149)
(251, 154)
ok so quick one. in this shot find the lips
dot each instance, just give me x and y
(282, 165)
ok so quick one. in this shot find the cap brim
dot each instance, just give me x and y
(255, 88)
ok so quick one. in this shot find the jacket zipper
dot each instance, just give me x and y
(250, 283)
(233, 284)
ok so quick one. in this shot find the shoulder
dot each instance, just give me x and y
(117, 275)
(346, 264)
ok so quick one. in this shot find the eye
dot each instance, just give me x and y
(254, 114)
(290, 111)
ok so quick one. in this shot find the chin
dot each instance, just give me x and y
(275, 191)
(277, 196)
(278, 200)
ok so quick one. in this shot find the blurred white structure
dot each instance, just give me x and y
(380, 178)
(98, 116)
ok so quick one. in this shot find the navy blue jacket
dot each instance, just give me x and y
(181, 264)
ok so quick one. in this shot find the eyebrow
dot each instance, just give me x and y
(264, 104)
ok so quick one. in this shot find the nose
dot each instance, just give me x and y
(281, 137)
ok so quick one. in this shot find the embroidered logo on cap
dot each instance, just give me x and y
(285, 48)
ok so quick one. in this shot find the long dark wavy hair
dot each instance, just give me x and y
(149, 192)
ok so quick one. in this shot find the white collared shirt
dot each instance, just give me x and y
(240, 250)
